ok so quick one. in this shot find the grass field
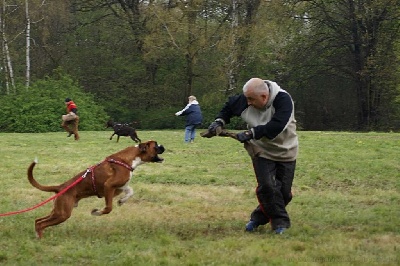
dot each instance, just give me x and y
(192, 208)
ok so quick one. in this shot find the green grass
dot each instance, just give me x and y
(192, 208)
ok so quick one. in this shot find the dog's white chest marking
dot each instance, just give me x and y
(136, 162)
(126, 188)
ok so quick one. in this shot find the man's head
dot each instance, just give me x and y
(256, 92)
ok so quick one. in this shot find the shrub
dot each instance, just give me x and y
(39, 108)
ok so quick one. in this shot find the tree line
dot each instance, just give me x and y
(139, 60)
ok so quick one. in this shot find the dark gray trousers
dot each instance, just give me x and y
(274, 191)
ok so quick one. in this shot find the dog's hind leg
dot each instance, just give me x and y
(128, 193)
(133, 138)
(112, 136)
(42, 219)
(41, 223)
(61, 212)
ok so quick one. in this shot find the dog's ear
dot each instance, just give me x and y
(143, 147)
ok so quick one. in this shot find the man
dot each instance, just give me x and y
(71, 119)
(272, 144)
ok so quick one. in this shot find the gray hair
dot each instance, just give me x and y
(258, 85)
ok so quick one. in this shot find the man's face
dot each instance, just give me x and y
(257, 100)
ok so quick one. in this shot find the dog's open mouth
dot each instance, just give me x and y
(160, 149)
(157, 159)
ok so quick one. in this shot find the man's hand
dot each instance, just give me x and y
(244, 136)
(215, 127)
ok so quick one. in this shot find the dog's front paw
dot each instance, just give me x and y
(96, 212)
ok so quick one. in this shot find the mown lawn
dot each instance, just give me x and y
(192, 208)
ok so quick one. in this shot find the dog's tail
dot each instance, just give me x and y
(36, 184)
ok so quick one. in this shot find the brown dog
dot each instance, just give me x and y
(106, 179)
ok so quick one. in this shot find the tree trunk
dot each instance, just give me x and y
(190, 53)
(28, 46)
(364, 31)
(8, 70)
(233, 55)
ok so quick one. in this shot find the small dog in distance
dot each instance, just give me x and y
(124, 130)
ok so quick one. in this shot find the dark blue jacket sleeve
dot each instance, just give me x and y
(283, 110)
(233, 107)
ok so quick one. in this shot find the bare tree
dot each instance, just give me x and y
(232, 58)
(28, 44)
(187, 29)
(243, 18)
(7, 65)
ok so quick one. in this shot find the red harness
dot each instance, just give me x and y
(91, 170)
(127, 166)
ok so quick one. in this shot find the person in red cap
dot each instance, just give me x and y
(71, 119)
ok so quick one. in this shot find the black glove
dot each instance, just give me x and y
(244, 136)
(215, 127)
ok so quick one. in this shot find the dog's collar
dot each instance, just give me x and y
(127, 166)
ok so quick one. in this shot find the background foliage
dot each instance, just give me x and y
(140, 60)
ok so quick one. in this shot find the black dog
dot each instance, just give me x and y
(123, 130)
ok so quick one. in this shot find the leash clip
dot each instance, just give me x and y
(87, 171)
